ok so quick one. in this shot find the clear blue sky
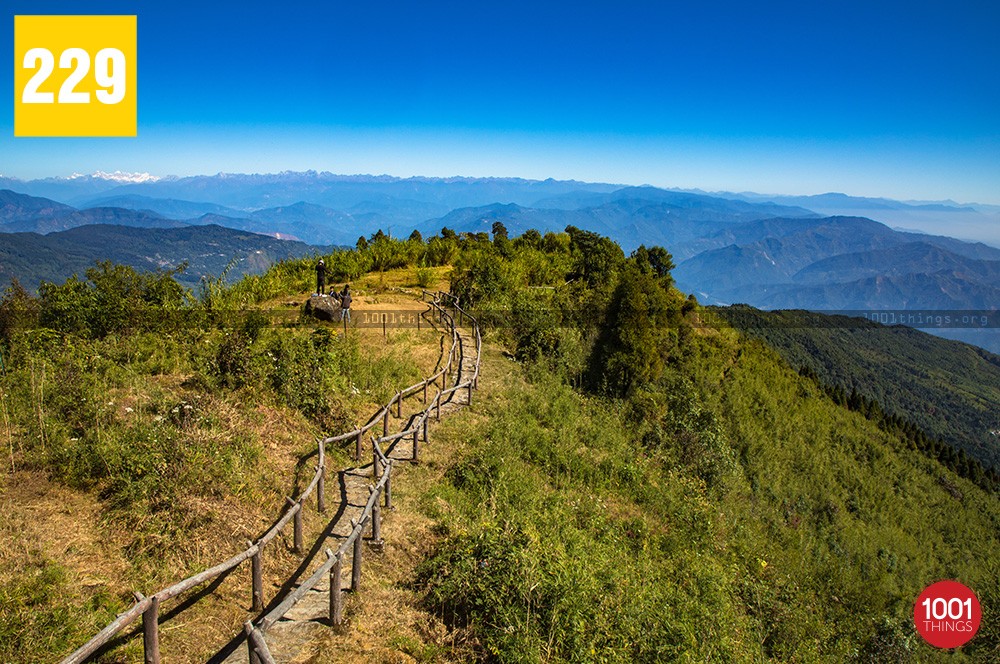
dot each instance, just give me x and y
(900, 99)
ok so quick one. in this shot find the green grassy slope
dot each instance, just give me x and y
(948, 389)
(739, 515)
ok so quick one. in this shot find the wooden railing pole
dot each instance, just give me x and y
(336, 601)
(376, 519)
(296, 528)
(356, 562)
(150, 617)
(257, 581)
(388, 489)
(320, 486)
(251, 651)
(151, 632)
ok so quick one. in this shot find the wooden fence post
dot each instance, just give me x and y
(151, 632)
(356, 563)
(336, 601)
(257, 580)
(376, 519)
(470, 392)
(399, 405)
(357, 446)
(438, 405)
(251, 651)
(321, 484)
(416, 445)
(385, 335)
(388, 489)
(297, 527)
(376, 464)
(426, 417)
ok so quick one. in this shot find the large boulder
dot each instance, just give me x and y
(323, 307)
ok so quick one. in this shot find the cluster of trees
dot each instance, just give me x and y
(574, 301)
(110, 298)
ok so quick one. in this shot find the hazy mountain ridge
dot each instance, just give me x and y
(914, 257)
(623, 216)
(208, 250)
(18, 208)
(841, 263)
(171, 208)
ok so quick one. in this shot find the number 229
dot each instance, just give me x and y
(109, 70)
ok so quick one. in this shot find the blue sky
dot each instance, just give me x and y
(900, 99)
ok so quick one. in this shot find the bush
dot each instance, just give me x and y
(424, 277)
(112, 299)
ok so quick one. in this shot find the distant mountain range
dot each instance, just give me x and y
(972, 221)
(815, 252)
(838, 263)
(208, 250)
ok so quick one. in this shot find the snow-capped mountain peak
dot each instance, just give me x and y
(117, 176)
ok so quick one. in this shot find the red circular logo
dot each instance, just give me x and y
(947, 614)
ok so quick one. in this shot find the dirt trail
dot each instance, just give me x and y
(298, 637)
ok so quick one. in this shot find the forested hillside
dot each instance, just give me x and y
(948, 390)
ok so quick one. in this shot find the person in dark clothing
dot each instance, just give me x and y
(345, 303)
(320, 277)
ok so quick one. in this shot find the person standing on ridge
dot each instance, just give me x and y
(345, 304)
(320, 277)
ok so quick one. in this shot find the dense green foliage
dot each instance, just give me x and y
(31, 258)
(699, 500)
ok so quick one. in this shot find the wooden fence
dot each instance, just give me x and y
(149, 607)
